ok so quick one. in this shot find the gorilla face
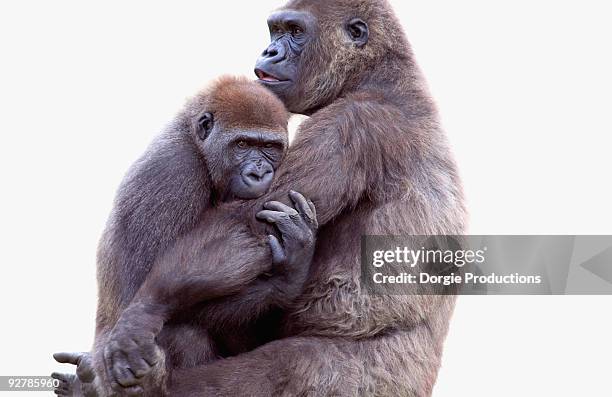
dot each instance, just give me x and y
(298, 65)
(278, 66)
(241, 162)
(254, 157)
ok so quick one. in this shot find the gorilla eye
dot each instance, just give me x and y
(268, 145)
(296, 30)
(205, 125)
(241, 144)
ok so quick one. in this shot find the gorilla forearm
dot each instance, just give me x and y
(252, 302)
(237, 267)
(286, 367)
(196, 268)
(399, 363)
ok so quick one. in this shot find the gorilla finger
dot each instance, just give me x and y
(138, 366)
(62, 377)
(314, 213)
(272, 216)
(133, 391)
(283, 222)
(108, 361)
(115, 386)
(278, 253)
(62, 386)
(118, 371)
(68, 357)
(123, 375)
(281, 207)
(301, 204)
(150, 353)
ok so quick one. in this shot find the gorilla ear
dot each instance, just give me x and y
(204, 125)
(358, 30)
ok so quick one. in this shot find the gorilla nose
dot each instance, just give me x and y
(257, 175)
(273, 54)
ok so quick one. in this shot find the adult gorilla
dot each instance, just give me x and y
(374, 160)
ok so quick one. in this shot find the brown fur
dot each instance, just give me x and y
(240, 104)
(375, 161)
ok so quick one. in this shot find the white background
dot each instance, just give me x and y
(523, 88)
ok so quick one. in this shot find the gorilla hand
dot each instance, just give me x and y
(131, 356)
(298, 228)
(81, 384)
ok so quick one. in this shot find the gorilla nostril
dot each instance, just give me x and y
(258, 175)
(270, 52)
(254, 176)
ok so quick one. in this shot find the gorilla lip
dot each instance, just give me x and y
(263, 76)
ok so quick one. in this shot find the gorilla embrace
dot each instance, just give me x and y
(373, 160)
(232, 136)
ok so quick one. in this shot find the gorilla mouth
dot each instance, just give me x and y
(263, 76)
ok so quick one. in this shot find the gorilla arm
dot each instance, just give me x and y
(203, 266)
(196, 269)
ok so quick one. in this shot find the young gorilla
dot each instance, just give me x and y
(239, 129)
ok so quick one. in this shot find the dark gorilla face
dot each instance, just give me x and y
(241, 162)
(240, 130)
(278, 66)
(254, 156)
(309, 60)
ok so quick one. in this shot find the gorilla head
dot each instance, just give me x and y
(321, 49)
(241, 130)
